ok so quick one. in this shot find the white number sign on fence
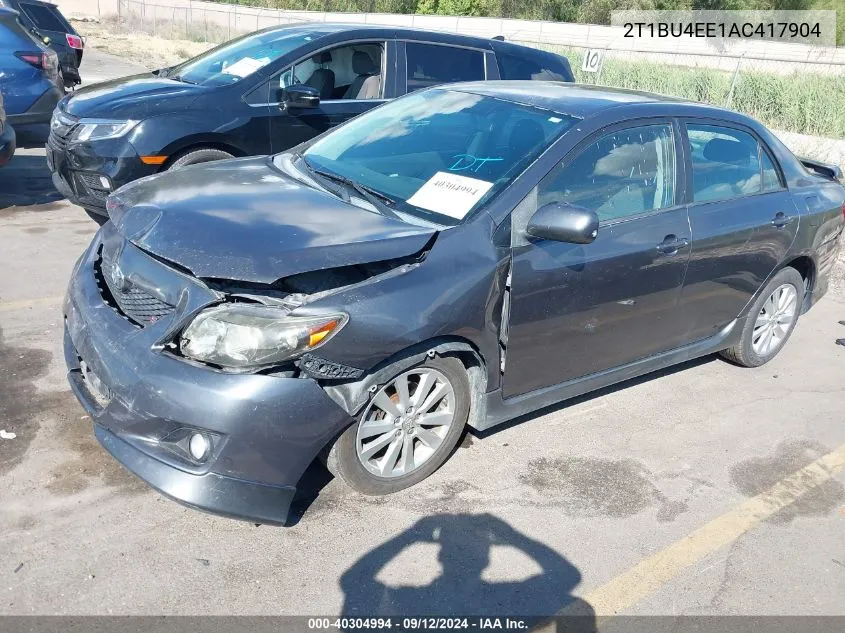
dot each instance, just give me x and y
(593, 59)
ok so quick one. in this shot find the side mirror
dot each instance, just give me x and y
(300, 96)
(564, 223)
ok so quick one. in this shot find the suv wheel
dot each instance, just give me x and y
(770, 320)
(407, 430)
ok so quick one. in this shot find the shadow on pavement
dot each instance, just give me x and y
(26, 182)
(465, 544)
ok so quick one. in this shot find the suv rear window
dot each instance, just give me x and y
(44, 18)
(538, 69)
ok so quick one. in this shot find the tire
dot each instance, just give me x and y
(752, 351)
(343, 457)
(194, 157)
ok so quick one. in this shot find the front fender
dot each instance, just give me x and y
(172, 134)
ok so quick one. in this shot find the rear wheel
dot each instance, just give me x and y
(770, 321)
(194, 157)
(407, 430)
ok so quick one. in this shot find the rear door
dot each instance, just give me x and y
(581, 309)
(743, 222)
(428, 64)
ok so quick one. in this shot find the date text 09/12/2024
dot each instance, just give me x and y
(419, 623)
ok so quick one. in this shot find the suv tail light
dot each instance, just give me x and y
(47, 61)
(37, 59)
(74, 41)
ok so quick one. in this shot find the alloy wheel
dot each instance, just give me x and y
(774, 320)
(405, 422)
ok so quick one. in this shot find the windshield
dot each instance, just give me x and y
(240, 58)
(438, 154)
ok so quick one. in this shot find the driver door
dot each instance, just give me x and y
(290, 127)
(581, 309)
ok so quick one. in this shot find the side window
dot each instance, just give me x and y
(353, 71)
(771, 180)
(432, 64)
(725, 163)
(623, 174)
(539, 69)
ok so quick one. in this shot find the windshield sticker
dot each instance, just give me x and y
(246, 66)
(450, 194)
(468, 162)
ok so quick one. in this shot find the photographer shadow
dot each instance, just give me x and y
(465, 545)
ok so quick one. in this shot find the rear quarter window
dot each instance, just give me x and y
(433, 64)
(533, 68)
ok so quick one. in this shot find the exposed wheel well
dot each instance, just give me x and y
(223, 147)
(807, 269)
(477, 373)
(352, 396)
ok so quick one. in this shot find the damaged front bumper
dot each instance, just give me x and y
(262, 430)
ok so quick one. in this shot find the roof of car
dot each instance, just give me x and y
(398, 32)
(582, 100)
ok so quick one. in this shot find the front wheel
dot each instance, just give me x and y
(197, 156)
(770, 320)
(407, 430)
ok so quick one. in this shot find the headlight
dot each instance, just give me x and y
(96, 129)
(248, 335)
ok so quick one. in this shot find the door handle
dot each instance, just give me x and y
(671, 244)
(781, 220)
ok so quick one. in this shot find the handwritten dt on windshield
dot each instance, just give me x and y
(468, 162)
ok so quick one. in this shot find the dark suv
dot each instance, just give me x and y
(265, 92)
(45, 20)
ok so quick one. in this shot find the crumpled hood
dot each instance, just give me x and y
(136, 97)
(244, 220)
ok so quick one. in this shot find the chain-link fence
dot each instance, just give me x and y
(196, 24)
(794, 89)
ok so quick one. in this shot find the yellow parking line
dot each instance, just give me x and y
(650, 574)
(8, 306)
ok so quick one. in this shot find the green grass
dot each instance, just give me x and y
(807, 103)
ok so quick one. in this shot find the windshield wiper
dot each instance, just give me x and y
(379, 200)
(183, 80)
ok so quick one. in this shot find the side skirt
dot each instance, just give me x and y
(500, 410)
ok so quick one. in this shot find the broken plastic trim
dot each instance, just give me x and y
(307, 287)
(353, 395)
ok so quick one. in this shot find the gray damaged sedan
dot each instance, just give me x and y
(461, 256)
